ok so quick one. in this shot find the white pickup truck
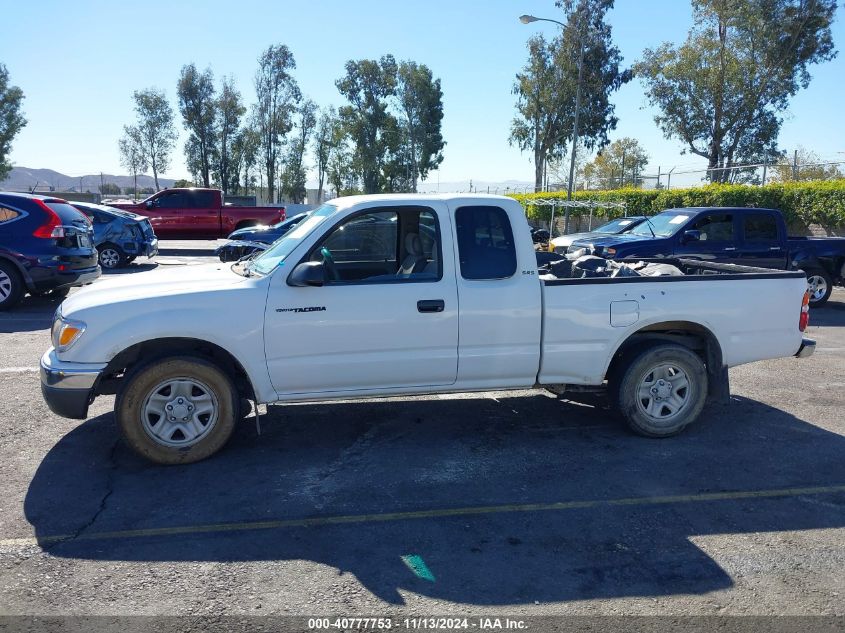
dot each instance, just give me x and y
(406, 294)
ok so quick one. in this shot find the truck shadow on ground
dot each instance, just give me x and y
(430, 456)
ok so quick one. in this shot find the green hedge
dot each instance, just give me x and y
(802, 203)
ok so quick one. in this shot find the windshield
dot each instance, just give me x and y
(282, 247)
(615, 226)
(663, 224)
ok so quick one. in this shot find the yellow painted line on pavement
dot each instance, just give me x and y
(424, 514)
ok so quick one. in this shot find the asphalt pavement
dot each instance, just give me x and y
(501, 503)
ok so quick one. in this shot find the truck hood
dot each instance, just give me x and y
(181, 280)
(622, 239)
(566, 240)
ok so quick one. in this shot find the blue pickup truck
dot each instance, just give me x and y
(747, 236)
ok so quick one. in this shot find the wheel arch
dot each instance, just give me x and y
(27, 280)
(153, 349)
(690, 334)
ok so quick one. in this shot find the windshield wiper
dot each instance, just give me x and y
(650, 227)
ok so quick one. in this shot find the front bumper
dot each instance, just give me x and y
(68, 388)
(808, 346)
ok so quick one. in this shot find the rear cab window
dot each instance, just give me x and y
(760, 227)
(485, 242)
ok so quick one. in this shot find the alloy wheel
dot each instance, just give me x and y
(5, 286)
(109, 258)
(817, 286)
(179, 412)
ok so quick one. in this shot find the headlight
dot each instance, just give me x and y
(609, 252)
(65, 332)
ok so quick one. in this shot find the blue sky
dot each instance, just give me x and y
(79, 62)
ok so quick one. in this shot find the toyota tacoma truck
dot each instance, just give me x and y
(194, 213)
(756, 237)
(391, 295)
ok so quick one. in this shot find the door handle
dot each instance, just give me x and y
(431, 305)
(774, 248)
(730, 248)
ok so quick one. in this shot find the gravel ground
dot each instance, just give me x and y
(514, 503)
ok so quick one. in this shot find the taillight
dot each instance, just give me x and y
(804, 319)
(52, 227)
(282, 215)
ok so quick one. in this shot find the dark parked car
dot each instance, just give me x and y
(248, 240)
(46, 247)
(729, 235)
(120, 236)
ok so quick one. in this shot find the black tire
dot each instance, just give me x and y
(111, 256)
(820, 284)
(144, 383)
(11, 286)
(649, 372)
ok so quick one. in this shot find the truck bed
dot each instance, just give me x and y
(755, 312)
(693, 269)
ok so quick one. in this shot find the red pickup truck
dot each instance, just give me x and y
(199, 214)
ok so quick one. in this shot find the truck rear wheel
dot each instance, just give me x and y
(820, 285)
(661, 390)
(177, 410)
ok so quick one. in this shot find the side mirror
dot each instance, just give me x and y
(690, 236)
(149, 204)
(308, 274)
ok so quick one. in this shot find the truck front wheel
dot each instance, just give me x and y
(177, 410)
(661, 390)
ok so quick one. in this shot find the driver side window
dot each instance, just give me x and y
(175, 200)
(382, 247)
(716, 227)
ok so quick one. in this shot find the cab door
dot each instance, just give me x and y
(167, 214)
(501, 303)
(386, 316)
(201, 216)
(762, 243)
(718, 238)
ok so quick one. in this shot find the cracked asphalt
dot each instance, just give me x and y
(516, 503)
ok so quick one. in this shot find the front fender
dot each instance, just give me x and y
(234, 323)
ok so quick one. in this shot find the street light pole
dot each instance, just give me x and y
(577, 112)
(527, 19)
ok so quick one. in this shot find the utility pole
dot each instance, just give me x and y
(577, 107)
(657, 186)
(622, 180)
(795, 165)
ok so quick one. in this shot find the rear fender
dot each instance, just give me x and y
(23, 272)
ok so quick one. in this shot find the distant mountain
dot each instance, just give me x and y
(25, 179)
